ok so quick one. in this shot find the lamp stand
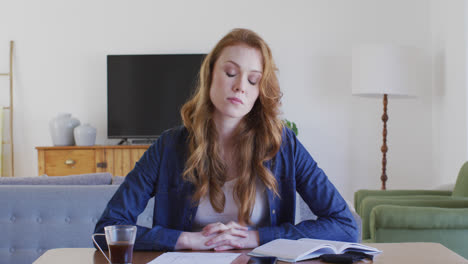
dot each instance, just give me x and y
(384, 147)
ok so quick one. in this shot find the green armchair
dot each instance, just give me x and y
(417, 215)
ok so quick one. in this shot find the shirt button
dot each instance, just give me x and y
(273, 212)
(39, 220)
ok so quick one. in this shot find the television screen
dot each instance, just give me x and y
(146, 92)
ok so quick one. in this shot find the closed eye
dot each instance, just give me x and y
(253, 80)
(230, 75)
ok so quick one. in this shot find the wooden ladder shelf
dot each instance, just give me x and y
(10, 108)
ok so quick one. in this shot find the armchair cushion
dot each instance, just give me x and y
(370, 202)
(448, 226)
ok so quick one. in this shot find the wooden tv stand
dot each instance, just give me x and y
(61, 161)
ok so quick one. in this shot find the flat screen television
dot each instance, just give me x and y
(146, 92)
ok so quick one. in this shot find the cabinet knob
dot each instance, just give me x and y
(102, 165)
(69, 162)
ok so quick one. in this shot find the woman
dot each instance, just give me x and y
(227, 178)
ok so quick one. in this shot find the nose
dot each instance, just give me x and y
(239, 86)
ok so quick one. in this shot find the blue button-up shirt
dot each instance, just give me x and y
(159, 173)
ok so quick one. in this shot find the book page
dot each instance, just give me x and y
(194, 258)
(290, 250)
(342, 246)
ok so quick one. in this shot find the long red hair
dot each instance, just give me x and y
(258, 135)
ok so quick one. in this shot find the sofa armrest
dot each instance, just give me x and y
(361, 194)
(370, 202)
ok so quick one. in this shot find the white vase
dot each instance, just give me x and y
(85, 135)
(61, 129)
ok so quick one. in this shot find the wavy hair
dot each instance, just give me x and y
(258, 136)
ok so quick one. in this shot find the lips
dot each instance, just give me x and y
(235, 100)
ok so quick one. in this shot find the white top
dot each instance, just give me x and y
(207, 215)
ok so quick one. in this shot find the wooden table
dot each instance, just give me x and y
(412, 253)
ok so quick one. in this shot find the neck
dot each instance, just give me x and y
(225, 128)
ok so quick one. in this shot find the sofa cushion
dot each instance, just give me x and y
(22, 180)
(80, 179)
(117, 180)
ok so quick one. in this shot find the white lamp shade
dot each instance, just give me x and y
(384, 69)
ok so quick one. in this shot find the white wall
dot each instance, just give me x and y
(449, 88)
(60, 65)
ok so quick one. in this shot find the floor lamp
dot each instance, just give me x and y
(381, 71)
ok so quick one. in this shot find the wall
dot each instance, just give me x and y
(60, 65)
(449, 86)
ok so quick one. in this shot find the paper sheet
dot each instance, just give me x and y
(194, 258)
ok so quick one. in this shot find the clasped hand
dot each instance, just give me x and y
(219, 236)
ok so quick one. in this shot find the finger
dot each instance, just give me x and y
(237, 232)
(221, 226)
(228, 243)
(222, 248)
(214, 228)
(229, 234)
(233, 224)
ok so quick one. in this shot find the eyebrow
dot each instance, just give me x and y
(233, 62)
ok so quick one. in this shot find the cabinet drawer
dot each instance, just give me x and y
(67, 162)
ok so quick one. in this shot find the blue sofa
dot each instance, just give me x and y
(41, 213)
(53, 213)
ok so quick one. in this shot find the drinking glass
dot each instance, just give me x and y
(120, 241)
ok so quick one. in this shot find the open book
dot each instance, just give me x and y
(306, 248)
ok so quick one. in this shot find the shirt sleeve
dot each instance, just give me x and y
(334, 219)
(131, 199)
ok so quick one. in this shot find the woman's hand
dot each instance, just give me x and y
(218, 236)
(193, 241)
(229, 236)
(226, 241)
(218, 228)
(199, 240)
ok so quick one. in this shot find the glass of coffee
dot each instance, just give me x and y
(120, 240)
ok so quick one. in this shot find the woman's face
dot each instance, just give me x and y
(235, 82)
